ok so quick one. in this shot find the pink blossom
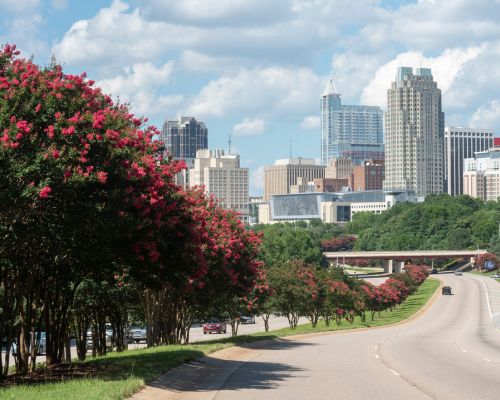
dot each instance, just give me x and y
(44, 193)
(38, 107)
(102, 177)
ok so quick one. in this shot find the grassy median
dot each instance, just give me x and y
(119, 375)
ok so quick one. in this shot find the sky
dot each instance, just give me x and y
(255, 69)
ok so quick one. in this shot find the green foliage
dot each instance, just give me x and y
(440, 222)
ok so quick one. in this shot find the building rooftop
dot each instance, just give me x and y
(296, 161)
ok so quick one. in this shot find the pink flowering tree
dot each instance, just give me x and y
(83, 191)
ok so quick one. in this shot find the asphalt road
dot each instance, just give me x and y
(452, 351)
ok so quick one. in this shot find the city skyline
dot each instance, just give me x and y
(256, 70)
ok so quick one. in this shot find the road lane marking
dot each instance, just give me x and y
(487, 299)
(464, 351)
(486, 359)
(376, 347)
(377, 356)
(394, 372)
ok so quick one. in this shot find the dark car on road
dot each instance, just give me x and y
(446, 290)
(434, 271)
(214, 326)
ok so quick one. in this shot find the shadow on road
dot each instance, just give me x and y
(210, 373)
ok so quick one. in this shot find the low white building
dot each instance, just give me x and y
(329, 207)
(222, 177)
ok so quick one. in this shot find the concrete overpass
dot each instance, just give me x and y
(395, 260)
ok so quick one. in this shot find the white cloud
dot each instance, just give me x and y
(272, 91)
(488, 116)
(445, 68)
(139, 86)
(311, 122)
(249, 127)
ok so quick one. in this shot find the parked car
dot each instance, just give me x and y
(138, 334)
(495, 276)
(247, 319)
(90, 342)
(214, 326)
(446, 290)
(434, 271)
(42, 345)
(458, 273)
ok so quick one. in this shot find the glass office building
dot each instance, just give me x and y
(349, 131)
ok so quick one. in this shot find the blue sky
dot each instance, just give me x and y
(255, 68)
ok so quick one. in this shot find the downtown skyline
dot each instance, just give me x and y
(257, 71)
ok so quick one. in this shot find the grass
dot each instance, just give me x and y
(121, 374)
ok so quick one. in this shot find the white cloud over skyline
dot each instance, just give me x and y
(260, 66)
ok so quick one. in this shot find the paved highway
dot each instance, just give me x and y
(452, 351)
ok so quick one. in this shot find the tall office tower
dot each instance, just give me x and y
(183, 138)
(222, 177)
(339, 168)
(461, 143)
(414, 134)
(356, 132)
(278, 178)
(369, 176)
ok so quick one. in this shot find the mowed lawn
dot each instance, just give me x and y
(119, 375)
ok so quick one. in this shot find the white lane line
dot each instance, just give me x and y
(486, 359)
(376, 347)
(464, 351)
(377, 356)
(394, 372)
(487, 299)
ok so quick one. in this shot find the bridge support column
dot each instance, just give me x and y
(387, 264)
(398, 266)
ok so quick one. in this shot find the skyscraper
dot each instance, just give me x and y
(184, 137)
(349, 131)
(414, 133)
(461, 143)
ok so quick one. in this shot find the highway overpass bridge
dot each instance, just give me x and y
(395, 260)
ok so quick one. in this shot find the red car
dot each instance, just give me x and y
(214, 326)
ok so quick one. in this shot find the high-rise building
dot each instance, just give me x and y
(414, 133)
(369, 176)
(462, 143)
(482, 175)
(356, 132)
(183, 138)
(222, 177)
(279, 178)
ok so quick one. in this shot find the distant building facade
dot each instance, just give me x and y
(462, 143)
(280, 177)
(414, 133)
(369, 176)
(349, 131)
(481, 177)
(330, 185)
(339, 168)
(329, 207)
(222, 177)
(184, 137)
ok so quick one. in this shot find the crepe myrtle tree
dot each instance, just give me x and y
(82, 190)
